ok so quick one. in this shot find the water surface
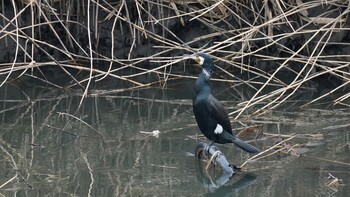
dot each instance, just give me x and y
(50, 149)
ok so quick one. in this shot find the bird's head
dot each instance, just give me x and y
(203, 60)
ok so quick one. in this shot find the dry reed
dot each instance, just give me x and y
(262, 40)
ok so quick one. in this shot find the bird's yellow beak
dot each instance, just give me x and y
(196, 58)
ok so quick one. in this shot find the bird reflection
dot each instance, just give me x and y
(219, 179)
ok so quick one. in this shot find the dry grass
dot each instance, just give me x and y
(264, 40)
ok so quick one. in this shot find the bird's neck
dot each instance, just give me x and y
(202, 83)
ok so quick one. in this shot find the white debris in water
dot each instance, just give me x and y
(154, 133)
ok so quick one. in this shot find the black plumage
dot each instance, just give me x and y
(211, 116)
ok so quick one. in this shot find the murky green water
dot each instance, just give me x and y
(49, 149)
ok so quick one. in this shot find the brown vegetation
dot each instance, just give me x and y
(283, 47)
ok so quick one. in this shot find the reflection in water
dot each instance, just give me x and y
(233, 187)
(216, 181)
(100, 151)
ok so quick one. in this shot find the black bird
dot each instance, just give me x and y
(211, 117)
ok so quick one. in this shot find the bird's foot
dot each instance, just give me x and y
(234, 167)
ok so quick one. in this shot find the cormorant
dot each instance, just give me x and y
(212, 119)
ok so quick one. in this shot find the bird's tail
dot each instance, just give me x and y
(245, 146)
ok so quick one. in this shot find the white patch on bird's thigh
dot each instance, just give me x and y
(218, 129)
(201, 60)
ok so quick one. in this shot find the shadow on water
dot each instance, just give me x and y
(48, 150)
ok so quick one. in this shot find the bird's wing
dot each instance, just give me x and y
(217, 112)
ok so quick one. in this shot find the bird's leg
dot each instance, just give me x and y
(207, 148)
(210, 144)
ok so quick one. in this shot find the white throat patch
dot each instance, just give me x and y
(218, 129)
(201, 60)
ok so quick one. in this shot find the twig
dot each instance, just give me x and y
(70, 115)
(260, 155)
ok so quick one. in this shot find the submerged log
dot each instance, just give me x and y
(213, 154)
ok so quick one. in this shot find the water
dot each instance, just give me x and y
(49, 149)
